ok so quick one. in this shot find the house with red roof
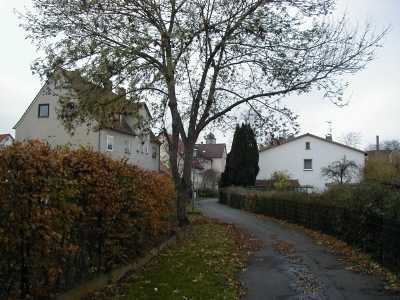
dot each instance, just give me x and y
(304, 156)
(207, 156)
(123, 140)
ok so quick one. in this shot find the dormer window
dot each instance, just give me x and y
(308, 146)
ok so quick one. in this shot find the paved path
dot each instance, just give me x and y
(313, 274)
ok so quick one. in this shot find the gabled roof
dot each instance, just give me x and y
(164, 169)
(181, 152)
(280, 143)
(4, 136)
(212, 150)
(81, 83)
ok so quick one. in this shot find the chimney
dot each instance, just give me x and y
(377, 142)
(328, 137)
(107, 85)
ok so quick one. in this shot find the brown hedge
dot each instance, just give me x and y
(67, 215)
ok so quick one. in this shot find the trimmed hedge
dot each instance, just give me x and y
(69, 215)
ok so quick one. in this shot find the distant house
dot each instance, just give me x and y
(122, 141)
(6, 139)
(207, 156)
(303, 157)
(216, 152)
(197, 166)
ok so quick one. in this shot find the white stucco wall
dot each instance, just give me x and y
(140, 158)
(291, 155)
(49, 129)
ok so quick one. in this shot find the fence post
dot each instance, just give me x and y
(326, 218)
(273, 207)
(284, 209)
(380, 239)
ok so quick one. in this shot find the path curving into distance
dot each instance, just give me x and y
(311, 273)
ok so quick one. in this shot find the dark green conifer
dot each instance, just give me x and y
(242, 166)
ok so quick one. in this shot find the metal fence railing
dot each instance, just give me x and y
(373, 234)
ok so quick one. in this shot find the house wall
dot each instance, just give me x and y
(218, 164)
(137, 154)
(290, 156)
(49, 129)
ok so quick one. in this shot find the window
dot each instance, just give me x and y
(138, 147)
(308, 164)
(127, 146)
(43, 111)
(153, 152)
(147, 150)
(110, 143)
(308, 146)
(142, 148)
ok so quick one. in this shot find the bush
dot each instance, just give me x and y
(68, 215)
(208, 192)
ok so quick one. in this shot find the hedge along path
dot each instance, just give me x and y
(69, 215)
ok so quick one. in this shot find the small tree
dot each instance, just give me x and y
(280, 180)
(341, 171)
(210, 177)
(351, 139)
(242, 167)
(382, 167)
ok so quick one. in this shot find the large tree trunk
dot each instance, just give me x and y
(182, 199)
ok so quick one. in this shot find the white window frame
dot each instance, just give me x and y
(304, 164)
(138, 147)
(146, 149)
(142, 148)
(110, 142)
(154, 152)
(127, 146)
(308, 146)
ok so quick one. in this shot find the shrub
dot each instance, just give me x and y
(208, 192)
(69, 214)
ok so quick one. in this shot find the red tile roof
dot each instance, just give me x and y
(212, 150)
(282, 142)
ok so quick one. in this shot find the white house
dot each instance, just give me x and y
(40, 122)
(303, 157)
(216, 152)
(6, 139)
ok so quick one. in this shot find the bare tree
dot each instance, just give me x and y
(384, 145)
(351, 139)
(341, 171)
(210, 177)
(197, 62)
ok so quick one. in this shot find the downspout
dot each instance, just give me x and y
(99, 141)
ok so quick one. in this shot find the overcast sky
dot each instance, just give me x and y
(374, 93)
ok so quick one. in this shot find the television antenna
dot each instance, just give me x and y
(330, 126)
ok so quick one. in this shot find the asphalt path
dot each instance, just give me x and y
(312, 273)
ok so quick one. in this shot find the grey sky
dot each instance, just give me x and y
(375, 92)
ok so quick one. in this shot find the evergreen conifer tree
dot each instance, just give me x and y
(242, 166)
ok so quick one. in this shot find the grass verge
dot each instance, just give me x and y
(201, 265)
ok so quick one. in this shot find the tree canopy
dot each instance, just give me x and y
(200, 62)
(242, 165)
